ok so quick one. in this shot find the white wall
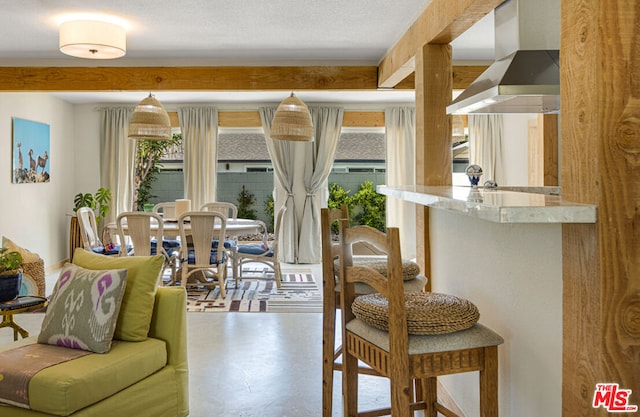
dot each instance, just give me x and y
(513, 273)
(35, 215)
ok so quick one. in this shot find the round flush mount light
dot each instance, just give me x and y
(92, 39)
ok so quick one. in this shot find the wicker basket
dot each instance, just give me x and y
(35, 272)
(427, 312)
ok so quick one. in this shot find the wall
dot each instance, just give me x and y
(513, 273)
(35, 216)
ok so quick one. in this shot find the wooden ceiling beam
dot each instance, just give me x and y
(49, 79)
(440, 23)
(187, 78)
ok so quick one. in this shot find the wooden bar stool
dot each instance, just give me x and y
(331, 299)
(398, 355)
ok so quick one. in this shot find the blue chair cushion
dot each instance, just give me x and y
(228, 244)
(254, 249)
(109, 250)
(170, 246)
(213, 260)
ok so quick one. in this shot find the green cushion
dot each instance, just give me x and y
(84, 308)
(64, 388)
(139, 296)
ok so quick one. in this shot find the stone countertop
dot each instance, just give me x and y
(500, 205)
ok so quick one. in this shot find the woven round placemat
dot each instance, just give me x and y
(410, 269)
(427, 312)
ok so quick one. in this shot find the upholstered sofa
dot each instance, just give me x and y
(146, 374)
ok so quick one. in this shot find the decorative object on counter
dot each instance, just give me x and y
(474, 172)
(490, 184)
(10, 274)
(292, 121)
(150, 121)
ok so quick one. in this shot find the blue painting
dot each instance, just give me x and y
(31, 152)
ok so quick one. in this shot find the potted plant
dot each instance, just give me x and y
(99, 202)
(10, 274)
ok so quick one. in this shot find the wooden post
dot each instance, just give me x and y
(433, 135)
(601, 165)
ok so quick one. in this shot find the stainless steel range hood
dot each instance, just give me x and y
(526, 76)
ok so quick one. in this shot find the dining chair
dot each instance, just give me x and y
(408, 336)
(228, 209)
(203, 259)
(231, 244)
(89, 231)
(264, 253)
(142, 231)
(412, 281)
(166, 209)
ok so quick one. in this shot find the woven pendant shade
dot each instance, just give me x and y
(150, 121)
(292, 121)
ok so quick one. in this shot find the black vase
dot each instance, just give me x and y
(10, 286)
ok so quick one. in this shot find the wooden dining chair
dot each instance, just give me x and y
(202, 258)
(142, 231)
(413, 281)
(375, 330)
(166, 209)
(265, 253)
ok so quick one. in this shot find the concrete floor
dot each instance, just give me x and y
(255, 364)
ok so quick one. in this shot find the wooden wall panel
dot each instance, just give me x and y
(600, 165)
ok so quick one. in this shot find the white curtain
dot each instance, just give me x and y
(282, 154)
(200, 140)
(400, 131)
(485, 146)
(117, 154)
(327, 122)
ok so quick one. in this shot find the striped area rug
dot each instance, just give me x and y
(299, 293)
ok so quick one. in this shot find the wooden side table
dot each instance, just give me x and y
(19, 305)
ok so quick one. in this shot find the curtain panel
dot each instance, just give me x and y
(327, 123)
(400, 132)
(117, 157)
(282, 154)
(485, 145)
(200, 140)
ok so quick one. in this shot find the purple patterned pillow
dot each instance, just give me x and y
(83, 310)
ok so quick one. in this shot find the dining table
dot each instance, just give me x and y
(235, 227)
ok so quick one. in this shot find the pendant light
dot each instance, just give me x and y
(292, 121)
(150, 121)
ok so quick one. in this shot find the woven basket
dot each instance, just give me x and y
(410, 269)
(35, 270)
(427, 312)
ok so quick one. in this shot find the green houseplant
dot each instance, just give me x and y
(99, 202)
(10, 274)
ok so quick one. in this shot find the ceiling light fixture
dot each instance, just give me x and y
(150, 121)
(92, 39)
(292, 121)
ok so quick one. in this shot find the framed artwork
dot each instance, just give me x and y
(30, 152)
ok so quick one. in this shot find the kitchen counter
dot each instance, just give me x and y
(499, 205)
